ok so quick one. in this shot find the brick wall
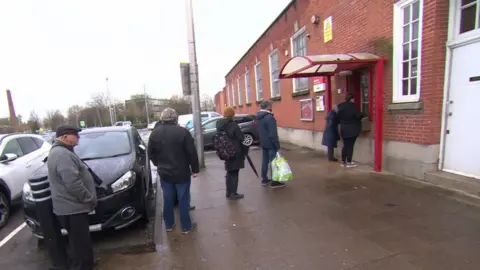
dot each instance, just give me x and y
(358, 26)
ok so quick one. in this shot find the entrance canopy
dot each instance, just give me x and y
(325, 64)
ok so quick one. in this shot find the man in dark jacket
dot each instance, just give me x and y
(349, 117)
(269, 141)
(172, 150)
(73, 194)
(233, 165)
(330, 134)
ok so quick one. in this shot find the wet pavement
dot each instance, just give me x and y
(326, 218)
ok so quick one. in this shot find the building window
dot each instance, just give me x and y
(299, 48)
(469, 15)
(233, 94)
(229, 101)
(407, 29)
(274, 72)
(258, 81)
(240, 91)
(247, 87)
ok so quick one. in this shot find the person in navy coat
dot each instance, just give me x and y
(330, 134)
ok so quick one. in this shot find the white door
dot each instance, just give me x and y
(462, 143)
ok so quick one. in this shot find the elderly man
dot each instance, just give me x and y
(172, 150)
(73, 194)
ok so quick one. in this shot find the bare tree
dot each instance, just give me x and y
(54, 119)
(34, 121)
(100, 103)
(207, 103)
(181, 104)
(73, 114)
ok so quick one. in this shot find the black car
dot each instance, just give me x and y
(117, 156)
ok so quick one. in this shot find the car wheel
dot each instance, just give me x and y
(4, 209)
(247, 139)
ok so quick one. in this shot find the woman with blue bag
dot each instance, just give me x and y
(330, 134)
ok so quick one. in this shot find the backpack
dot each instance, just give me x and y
(224, 146)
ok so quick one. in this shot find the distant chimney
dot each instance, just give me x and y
(13, 116)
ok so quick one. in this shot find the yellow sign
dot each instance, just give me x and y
(327, 29)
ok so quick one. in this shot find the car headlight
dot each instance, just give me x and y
(27, 192)
(124, 182)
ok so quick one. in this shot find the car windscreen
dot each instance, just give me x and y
(98, 145)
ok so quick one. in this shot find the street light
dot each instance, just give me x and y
(197, 124)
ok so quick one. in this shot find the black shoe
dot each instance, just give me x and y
(277, 184)
(236, 196)
(266, 183)
(192, 207)
(333, 160)
(194, 226)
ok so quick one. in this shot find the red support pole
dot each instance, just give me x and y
(370, 93)
(379, 116)
(329, 93)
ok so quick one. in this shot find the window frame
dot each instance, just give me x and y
(457, 13)
(300, 32)
(22, 141)
(240, 91)
(272, 80)
(398, 13)
(258, 81)
(248, 88)
(233, 94)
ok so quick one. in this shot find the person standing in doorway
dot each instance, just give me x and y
(172, 150)
(73, 195)
(330, 134)
(237, 162)
(349, 117)
(269, 141)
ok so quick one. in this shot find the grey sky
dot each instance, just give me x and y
(56, 53)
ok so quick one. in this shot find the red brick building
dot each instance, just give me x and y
(418, 40)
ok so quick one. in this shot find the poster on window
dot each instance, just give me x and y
(306, 109)
(319, 84)
(320, 104)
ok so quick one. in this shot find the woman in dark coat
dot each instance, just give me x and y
(330, 134)
(233, 165)
(350, 119)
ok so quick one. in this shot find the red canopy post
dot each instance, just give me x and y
(379, 116)
(329, 93)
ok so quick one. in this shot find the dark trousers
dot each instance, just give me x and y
(347, 150)
(79, 240)
(231, 181)
(52, 235)
(182, 192)
(330, 153)
(267, 156)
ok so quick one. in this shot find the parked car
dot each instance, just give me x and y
(20, 156)
(118, 156)
(186, 120)
(246, 122)
(123, 124)
(151, 126)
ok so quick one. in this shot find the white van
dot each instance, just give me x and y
(186, 120)
(123, 124)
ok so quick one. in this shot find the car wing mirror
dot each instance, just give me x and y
(8, 157)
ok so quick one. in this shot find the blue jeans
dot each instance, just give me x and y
(183, 195)
(267, 156)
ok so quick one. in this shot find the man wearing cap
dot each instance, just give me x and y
(172, 150)
(73, 194)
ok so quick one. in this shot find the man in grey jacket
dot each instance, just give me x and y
(73, 194)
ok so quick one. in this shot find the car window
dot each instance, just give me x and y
(215, 114)
(98, 145)
(243, 119)
(39, 142)
(27, 144)
(210, 125)
(12, 147)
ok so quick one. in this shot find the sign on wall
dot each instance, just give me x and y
(306, 109)
(327, 29)
(320, 103)
(319, 84)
